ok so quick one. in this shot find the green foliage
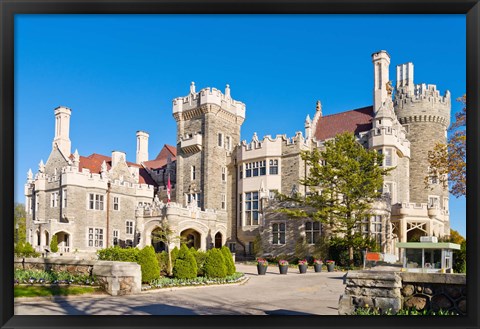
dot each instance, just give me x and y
(185, 266)
(338, 251)
(320, 249)
(173, 282)
(174, 254)
(119, 254)
(25, 249)
(162, 259)
(214, 266)
(51, 277)
(227, 256)
(349, 178)
(37, 291)
(200, 257)
(409, 311)
(301, 249)
(54, 244)
(460, 258)
(148, 261)
(19, 218)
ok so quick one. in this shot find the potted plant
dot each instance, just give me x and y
(317, 264)
(330, 265)
(302, 266)
(283, 266)
(262, 265)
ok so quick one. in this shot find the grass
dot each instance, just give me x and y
(40, 291)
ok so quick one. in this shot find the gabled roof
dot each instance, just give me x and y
(355, 121)
(94, 163)
(162, 158)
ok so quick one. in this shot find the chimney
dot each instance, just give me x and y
(381, 63)
(62, 130)
(142, 146)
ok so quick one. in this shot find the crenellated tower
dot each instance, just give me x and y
(425, 114)
(208, 129)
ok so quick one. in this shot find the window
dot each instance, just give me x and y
(241, 171)
(54, 200)
(64, 198)
(224, 201)
(231, 246)
(195, 196)
(192, 173)
(115, 237)
(376, 229)
(116, 203)
(257, 168)
(388, 157)
(220, 139)
(433, 201)
(251, 208)
(95, 201)
(95, 237)
(37, 201)
(129, 227)
(273, 164)
(224, 174)
(248, 171)
(229, 143)
(312, 231)
(278, 233)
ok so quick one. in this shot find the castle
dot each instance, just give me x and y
(214, 189)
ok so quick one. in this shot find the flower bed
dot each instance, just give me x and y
(198, 281)
(43, 277)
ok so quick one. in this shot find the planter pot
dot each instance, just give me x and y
(318, 267)
(261, 269)
(330, 267)
(303, 268)
(283, 269)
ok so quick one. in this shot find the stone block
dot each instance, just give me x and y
(408, 290)
(345, 306)
(419, 302)
(441, 302)
(385, 304)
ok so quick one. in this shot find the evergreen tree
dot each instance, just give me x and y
(19, 222)
(230, 265)
(54, 244)
(149, 264)
(343, 181)
(214, 266)
(185, 264)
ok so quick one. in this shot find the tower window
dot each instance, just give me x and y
(224, 174)
(192, 173)
(273, 164)
(224, 201)
(220, 139)
(116, 203)
(278, 233)
(251, 208)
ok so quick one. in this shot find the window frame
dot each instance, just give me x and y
(278, 233)
(252, 214)
(129, 227)
(313, 233)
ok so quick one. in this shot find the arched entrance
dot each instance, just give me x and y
(191, 238)
(157, 240)
(47, 238)
(63, 239)
(218, 240)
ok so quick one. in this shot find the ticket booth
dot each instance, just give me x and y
(428, 257)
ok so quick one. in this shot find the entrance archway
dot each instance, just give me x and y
(63, 239)
(218, 240)
(191, 238)
(156, 240)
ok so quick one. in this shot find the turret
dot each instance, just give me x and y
(142, 147)
(62, 130)
(381, 88)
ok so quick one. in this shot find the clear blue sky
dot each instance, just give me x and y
(119, 73)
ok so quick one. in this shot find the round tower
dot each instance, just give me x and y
(425, 114)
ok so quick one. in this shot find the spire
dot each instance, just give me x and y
(319, 108)
(41, 166)
(192, 88)
(308, 121)
(103, 168)
(227, 91)
(29, 175)
(76, 159)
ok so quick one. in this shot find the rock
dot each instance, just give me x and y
(418, 302)
(408, 290)
(462, 306)
(441, 302)
(453, 292)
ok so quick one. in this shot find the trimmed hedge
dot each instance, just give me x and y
(185, 266)
(214, 266)
(119, 254)
(227, 255)
(200, 257)
(148, 262)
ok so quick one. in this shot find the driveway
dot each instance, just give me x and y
(291, 294)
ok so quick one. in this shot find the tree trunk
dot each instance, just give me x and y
(350, 256)
(169, 262)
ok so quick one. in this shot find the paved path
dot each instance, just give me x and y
(292, 294)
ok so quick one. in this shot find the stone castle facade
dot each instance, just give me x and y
(223, 188)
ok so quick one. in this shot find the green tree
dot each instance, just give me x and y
(448, 161)
(19, 223)
(54, 244)
(214, 266)
(166, 235)
(343, 181)
(229, 264)
(149, 264)
(185, 264)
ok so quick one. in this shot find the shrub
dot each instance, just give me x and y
(148, 261)
(162, 259)
(227, 255)
(214, 266)
(119, 254)
(174, 254)
(54, 244)
(200, 257)
(185, 266)
(25, 249)
(460, 259)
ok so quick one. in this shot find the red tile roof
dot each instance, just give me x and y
(355, 121)
(94, 163)
(162, 157)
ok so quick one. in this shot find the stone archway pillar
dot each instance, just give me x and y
(203, 242)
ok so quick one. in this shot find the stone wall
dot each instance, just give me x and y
(116, 278)
(395, 290)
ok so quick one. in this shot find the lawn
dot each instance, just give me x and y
(35, 291)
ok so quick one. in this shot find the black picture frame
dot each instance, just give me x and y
(9, 8)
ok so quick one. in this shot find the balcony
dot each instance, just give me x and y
(192, 144)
